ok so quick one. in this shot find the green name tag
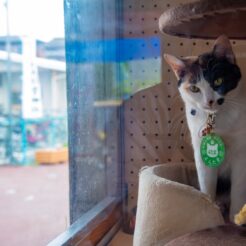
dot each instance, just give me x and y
(212, 150)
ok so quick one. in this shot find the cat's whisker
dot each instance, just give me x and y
(231, 101)
(175, 126)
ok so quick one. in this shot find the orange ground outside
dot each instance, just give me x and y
(33, 204)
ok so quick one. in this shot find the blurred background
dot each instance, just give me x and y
(32, 79)
(33, 122)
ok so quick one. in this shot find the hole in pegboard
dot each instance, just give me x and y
(156, 134)
(130, 6)
(181, 44)
(156, 122)
(143, 96)
(144, 147)
(169, 122)
(168, 96)
(169, 147)
(132, 160)
(181, 109)
(169, 109)
(130, 19)
(156, 19)
(169, 134)
(144, 134)
(155, 31)
(132, 172)
(143, 109)
(157, 147)
(156, 109)
(182, 134)
(155, 5)
(143, 32)
(168, 44)
(182, 160)
(142, 19)
(132, 147)
(131, 121)
(182, 122)
(142, 6)
(233, 42)
(143, 159)
(194, 43)
(132, 197)
(130, 33)
(132, 185)
(207, 43)
(182, 147)
(156, 96)
(131, 109)
(169, 160)
(168, 5)
(156, 160)
(131, 134)
(143, 121)
(168, 70)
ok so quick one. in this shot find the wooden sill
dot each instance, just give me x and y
(122, 239)
(92, 226)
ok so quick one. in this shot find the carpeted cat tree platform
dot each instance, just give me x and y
(172, 211)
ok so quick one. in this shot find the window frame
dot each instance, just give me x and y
(101, 222)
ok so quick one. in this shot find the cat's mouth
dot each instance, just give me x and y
(209, 109)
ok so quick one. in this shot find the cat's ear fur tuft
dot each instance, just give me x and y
(223, 49)
(177, 65)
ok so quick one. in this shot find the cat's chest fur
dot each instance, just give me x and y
(229, 125)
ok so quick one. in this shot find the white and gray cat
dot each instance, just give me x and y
(211, 83)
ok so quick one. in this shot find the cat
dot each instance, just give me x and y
(211, 84)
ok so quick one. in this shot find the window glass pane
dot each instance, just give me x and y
(106, 64)
(94, 97)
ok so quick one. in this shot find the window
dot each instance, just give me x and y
(106, 64)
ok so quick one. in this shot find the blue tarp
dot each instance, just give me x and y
(115, 50)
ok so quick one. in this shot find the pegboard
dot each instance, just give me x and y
(155, 125)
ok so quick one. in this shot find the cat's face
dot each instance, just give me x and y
(205, 80)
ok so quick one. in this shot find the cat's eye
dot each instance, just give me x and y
(194, 89)
(218, 82)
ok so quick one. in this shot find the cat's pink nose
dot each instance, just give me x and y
(210, 103)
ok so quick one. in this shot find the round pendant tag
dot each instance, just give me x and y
(212, 150)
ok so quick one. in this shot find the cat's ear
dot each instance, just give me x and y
(177, 65)
(222, 48)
